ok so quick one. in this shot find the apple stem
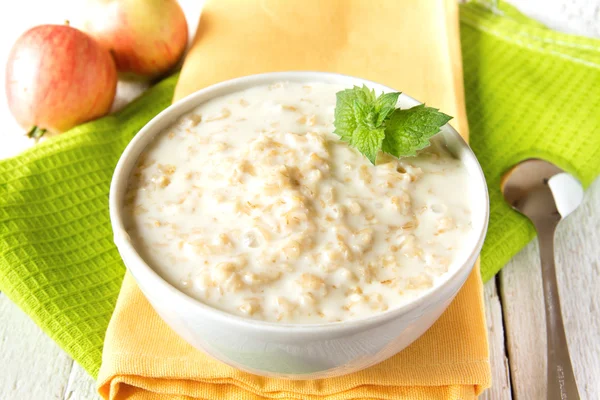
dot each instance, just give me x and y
(36, 133)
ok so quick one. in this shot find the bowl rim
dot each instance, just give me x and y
(141, 270)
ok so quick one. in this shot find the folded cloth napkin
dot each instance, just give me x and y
(531, 92)
(57, 260)
(143, 358)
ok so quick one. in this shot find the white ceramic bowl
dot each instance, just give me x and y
(286, 350)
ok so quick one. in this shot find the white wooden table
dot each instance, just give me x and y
(33, 367)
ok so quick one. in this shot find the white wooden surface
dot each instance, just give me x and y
(34, 367)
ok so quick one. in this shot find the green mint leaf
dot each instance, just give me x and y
(368, 141)
(348, 112)
(409, 130)
(368, 95)
(360, 117)
(370, 123)
(385, 105)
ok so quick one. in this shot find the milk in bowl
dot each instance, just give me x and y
(252, 205)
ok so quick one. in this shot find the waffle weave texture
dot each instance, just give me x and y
(57, 258)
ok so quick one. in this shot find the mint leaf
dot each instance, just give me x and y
(352, 107)
(384, 105)
(370, 123)
(366, 94)
(368, 141)
(360, 116)
(409, 130)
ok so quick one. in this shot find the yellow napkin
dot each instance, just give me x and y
(411, 45)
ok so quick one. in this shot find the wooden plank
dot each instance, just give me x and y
(81, 386)
(578, 270)
(33, 366)
(500, 389)
(521, 291)
(578, 262)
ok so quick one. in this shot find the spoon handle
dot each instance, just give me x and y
(561, 380)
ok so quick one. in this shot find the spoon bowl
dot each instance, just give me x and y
(539, 189)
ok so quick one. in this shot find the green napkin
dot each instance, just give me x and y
(530, 92)
(57, 258)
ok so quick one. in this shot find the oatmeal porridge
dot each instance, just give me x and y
(252, 205)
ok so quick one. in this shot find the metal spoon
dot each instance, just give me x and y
(546, 194)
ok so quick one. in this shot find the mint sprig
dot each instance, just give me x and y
(372, 124)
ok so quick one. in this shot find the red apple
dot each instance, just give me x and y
(58, 77)
(146, 37)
